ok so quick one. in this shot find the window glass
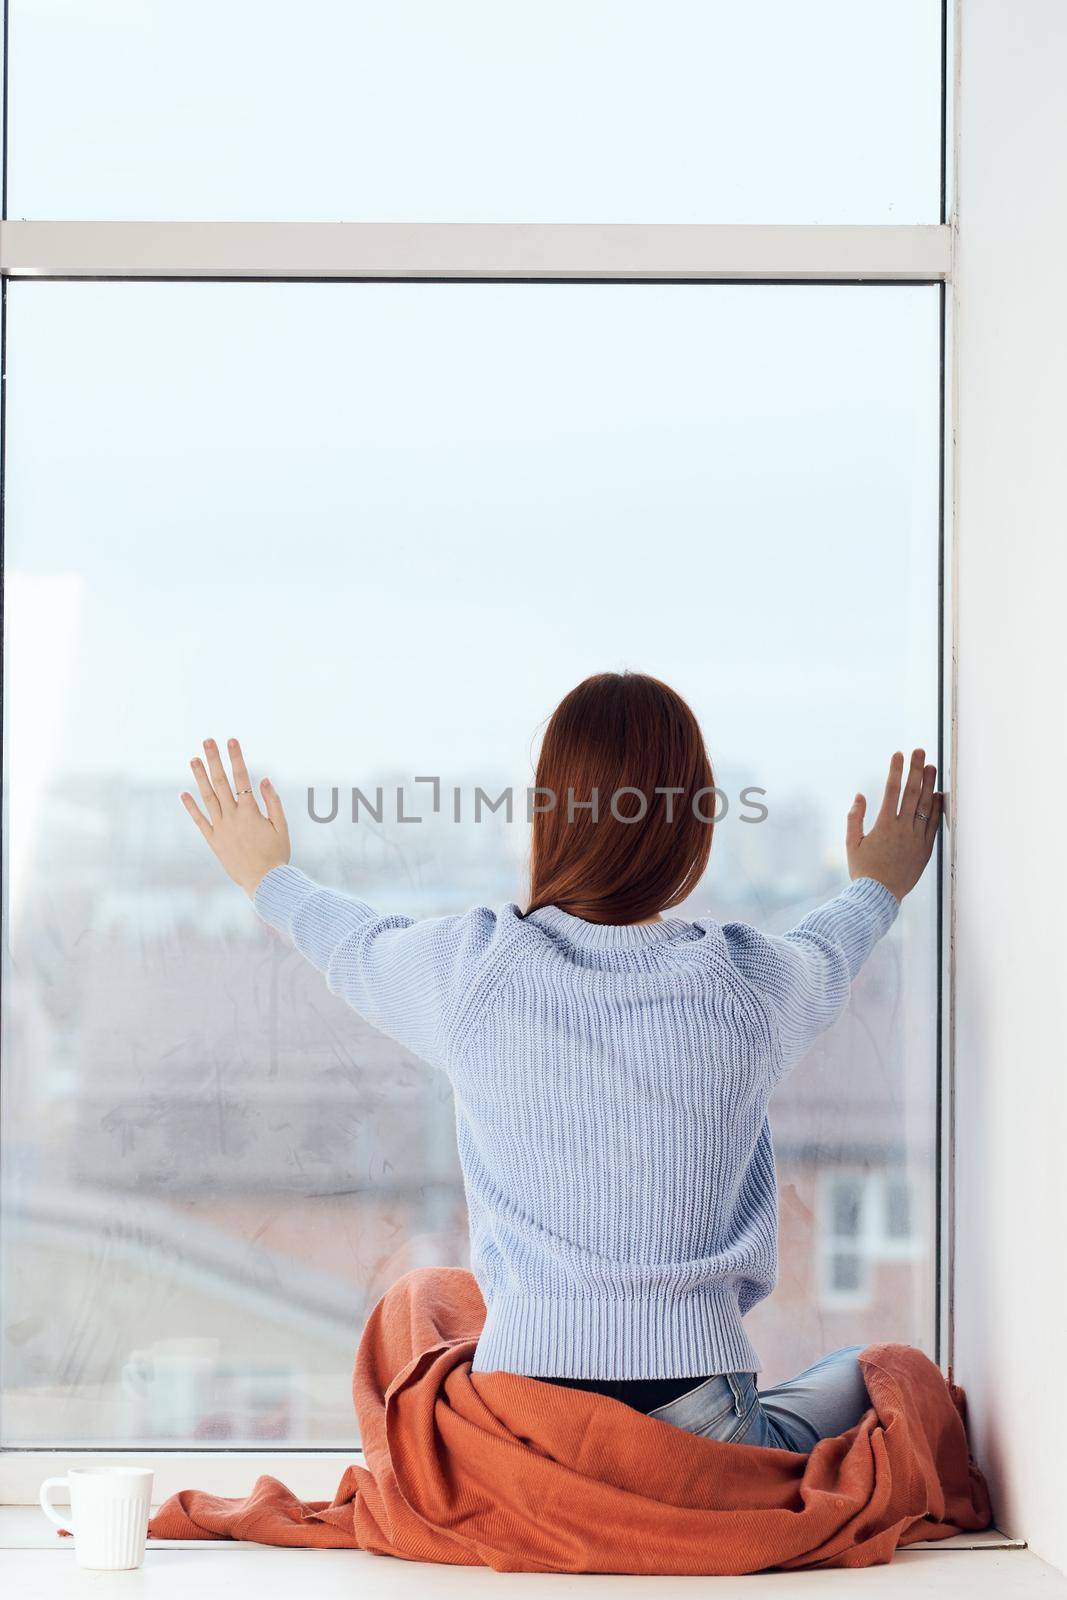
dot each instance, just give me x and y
(605, 111)
(847, 1272)
(848, 1206)
(898, 1209)
(377, 530)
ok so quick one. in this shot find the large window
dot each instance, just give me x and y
(377, 527)
(378, 530)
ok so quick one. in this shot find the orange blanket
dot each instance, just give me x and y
(490, 1469)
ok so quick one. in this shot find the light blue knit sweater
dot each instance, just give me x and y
(611, 1089)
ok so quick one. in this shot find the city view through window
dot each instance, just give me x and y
(377, 531)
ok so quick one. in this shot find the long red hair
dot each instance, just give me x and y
(624, 736)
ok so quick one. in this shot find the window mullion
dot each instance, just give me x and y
(564, 251)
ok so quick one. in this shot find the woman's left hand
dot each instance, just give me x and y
(247, 843)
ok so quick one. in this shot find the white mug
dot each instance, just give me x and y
(108, 1514)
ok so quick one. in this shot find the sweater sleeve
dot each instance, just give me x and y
(805, 976)
(406, 978)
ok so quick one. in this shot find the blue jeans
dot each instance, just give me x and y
(826, 1399)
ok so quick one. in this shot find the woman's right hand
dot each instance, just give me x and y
(896, 850)
(247, 843)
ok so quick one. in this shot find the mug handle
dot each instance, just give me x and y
(46, 1505)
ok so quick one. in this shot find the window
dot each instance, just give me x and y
(323, 515)
(473, 112)
(866, 1238)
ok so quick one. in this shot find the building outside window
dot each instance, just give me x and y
(867, 1242)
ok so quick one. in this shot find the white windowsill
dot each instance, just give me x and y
(36, 1563)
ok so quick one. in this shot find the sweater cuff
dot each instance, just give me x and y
(280, 895)
(881, 903)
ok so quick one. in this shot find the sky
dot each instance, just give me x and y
(476, 111)
(384, 527)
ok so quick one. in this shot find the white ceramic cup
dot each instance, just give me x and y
(108, 1514)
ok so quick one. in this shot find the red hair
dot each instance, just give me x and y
(621, 736)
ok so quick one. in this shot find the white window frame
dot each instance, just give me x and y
(571, 252)
(527, 252)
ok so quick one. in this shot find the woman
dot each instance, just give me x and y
(611, 1066)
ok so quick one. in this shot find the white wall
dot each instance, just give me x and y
(1011, 771)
